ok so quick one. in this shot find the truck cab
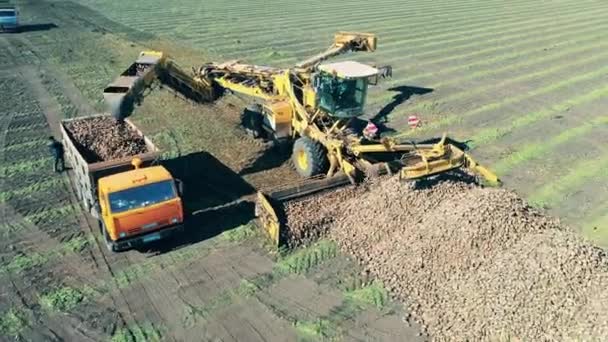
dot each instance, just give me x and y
(8, 18)
(139, 206)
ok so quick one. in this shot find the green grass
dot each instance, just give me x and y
(146, 332)
(303, 260)
(24, 146)
(374, 294)
(501, 102)
(10, 228)
(78, 244)
(239, 234)
(13, 322)
(26, 167)
(596, 229)
(489, 135)
(541, 148)
(63, 299)
(556, 191)
(247, 288)
(132, 274)
(318, 330)
(43, 186)
(24, 262)
(52, 213)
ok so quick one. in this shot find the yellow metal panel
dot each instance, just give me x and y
(281, 111)
(268, 218)
(133, 178)
(310, 97)
(243, 89)
(279, 115)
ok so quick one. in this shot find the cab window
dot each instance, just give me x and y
(141, 196)
(7, 13)
(342, 97)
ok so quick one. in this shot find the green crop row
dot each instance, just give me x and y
(144, 332)
(44, 186)
(538, 149)
(555, 191)
(301, 261)
(12, 323)
(596, 228)
(593, 52)
(566, 82)
(394, 31)
(488, 135)
(249, 21)
(491, 40)
(25, 167)
(577, 47)
(24, 146)
(65, 298)
(50, 213)
(391, 28)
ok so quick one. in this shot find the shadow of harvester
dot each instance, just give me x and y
(212, 196)
(403, 93)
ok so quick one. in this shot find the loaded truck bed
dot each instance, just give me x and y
(87, 169)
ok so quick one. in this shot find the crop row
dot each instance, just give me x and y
(498, 103)
(391, 35)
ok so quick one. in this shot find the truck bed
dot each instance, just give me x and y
(85, 173)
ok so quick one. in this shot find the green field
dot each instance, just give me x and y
(522, 82)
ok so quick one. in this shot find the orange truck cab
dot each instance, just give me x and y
(139, 206)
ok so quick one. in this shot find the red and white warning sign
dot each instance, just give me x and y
(413, 121)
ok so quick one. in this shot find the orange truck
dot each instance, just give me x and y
(135, 201)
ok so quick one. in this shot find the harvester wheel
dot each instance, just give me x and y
(309, 157)
(251, 119)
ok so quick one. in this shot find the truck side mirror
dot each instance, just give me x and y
(179, 184)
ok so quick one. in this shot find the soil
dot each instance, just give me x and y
(471, 262)
(103, 138)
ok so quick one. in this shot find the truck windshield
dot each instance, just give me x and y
(141, 196)
(7, 13)
(342, 97)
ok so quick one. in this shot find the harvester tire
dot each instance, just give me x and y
(251, 119)
(309, 157)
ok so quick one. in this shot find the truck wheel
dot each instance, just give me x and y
(251, 119)
(309, 157)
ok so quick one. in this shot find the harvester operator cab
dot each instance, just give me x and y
(342, 88)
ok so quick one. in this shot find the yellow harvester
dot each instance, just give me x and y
(313, 105)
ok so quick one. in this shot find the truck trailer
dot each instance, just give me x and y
(134, 200)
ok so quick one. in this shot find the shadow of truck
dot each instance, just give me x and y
(213, 198)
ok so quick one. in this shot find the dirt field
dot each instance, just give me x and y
(523, 81)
